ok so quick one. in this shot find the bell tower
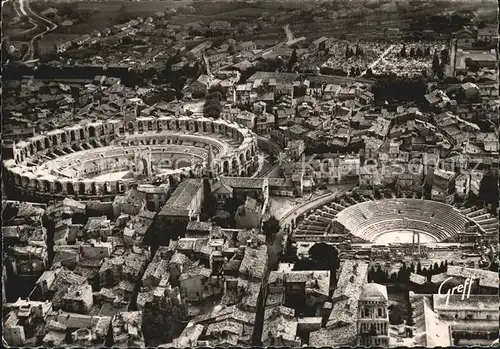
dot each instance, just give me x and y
(373, 316)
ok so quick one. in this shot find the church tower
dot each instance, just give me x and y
(373, 316)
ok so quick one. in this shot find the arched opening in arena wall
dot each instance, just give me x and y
(159, 125)
(188, 127)
(46, 186)
(226, 167)
(39, 145)
(47, 143)
(82, 134)
(54, 139)
(72, 136)
(94, 189)
(58, 187)
(242, 173)
(204, 125)
(249, 171)
(242, 158)
(32, 149)
(212, 127)
(69, 188)
(91, 131)
(177, 126)
(140, 127)
(63, 138)
(248, 154)
(195, 127)
(131, 128)
(150, 125)
(81, 188)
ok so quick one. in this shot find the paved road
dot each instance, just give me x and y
(312, 204)
(386, 52)
(38, 21)
(276, 149)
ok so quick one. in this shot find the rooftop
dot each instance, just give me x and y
(180, 200)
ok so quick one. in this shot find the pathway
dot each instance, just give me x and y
(385, 53)
(312, 204)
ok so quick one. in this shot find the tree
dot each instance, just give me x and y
(212, 107)
(231, 205)
(445, 56)
(271, 227)
(292, 60)
(436, 66)
(210, 204)
(488, 189)
(325, 256)
(473, 66)
(403, 51)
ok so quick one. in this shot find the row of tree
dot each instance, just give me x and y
(349, 52)
(393, 88)
(382, 276)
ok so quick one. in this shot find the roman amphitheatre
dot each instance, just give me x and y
(102, 159)
(363, 220)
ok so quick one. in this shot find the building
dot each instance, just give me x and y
(63, 46)
(185, 203)
(257, 188)
(342, 315)
(78, 299)
(373, 316)
(248, 215)
(462, 185)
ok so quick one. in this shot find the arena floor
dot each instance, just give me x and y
(402, 237)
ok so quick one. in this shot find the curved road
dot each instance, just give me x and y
(319, 201)
(36, 20)
(276, 149)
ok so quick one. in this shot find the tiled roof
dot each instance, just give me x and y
(486, 278)
(280, 322)
(254, 262)
(180, 200)
(344, 336)
(243, 183)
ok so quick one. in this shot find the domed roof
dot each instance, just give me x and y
(374, 292)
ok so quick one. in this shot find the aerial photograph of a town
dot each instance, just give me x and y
(296, 173)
